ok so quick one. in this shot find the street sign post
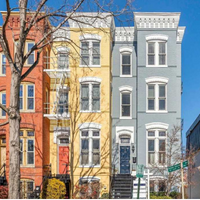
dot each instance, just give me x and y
(139, 174)
(177, 166)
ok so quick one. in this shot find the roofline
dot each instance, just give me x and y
(157, 13)
(196, 121)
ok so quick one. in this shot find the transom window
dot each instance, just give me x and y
(156, 53)
(126, 64)
(90, 52)
(27, 96)
(90, 96)
(156, 99)
(3, 102)
(27, 147)
(156, 146)
(90, 147)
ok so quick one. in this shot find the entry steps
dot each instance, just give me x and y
(143, 188)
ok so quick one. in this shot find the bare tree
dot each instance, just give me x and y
(30, 15)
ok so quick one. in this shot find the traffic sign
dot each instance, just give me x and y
(140, 171)
(178, 166)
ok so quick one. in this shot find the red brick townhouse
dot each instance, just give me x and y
(34, 128)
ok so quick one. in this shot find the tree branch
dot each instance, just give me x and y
(4, 123)
(3, 108)
(32, 67)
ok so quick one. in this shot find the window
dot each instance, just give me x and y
(62, 60)
(157, 95)
(90, 52)
(126, 64)
(26, 188)
(156, 146)
(161, 186)
(90, 96)
(63, 102)
(27, 147)
(3, 102)
(27, 97)
(3, 65)
(126, 104)
(31, 58)
(157, 185)
(90, 147)
(156, 53)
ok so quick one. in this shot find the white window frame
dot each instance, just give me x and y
(90, 138)
(90, 81)
(125, 89)
(126, 51)
(1, 110)
(33, 53)
(1, 67)
(156, 127)
(156, 81)
(156, 39)
(90, 38)
(30, 84)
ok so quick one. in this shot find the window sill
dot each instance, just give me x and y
(156, 165)
(90, 66)
(89, 166)
(126, 76)
(27, 111)
(3, 75)
(90, 111)
(2, 117)
(125, 117)
(27, 166)
(156, 66)
(164, 111)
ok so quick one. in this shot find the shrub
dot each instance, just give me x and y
(3, 192)
(160, 197)
(105, 196)
(175, 195)
(53, 189)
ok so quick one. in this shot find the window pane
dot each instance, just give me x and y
(85, 48)
(84, 133)
(95, 91)
(21, 133)
(151, 133)
(162, 59)
(31, 56)
(151, 104)
(30, 158)
(126, 98)
(95, 158)
(162, 104)
(30, 103)
(162, 133)
(30, 186)
(161, 187)
(162, 47)
(151, 91)
(96, 104)
(30, 133)
(161, 90)
(21, 153)
(30, 145)
(96, 60)
(95, 133)
(4, 103)
(151, 157)
(3, 64)
(125, 140)
(30, 91)
(64, 140)
(85, 60)
(126, 59)
(21, 97)
(84, 97)
(161, 145)
(84, 158)
(126, 111)
(95, 144)
(151, 47)
(151, 59)
(162, 157)
(151, 145)
(85, 104)
(62, 60)
(126, 69)
(85, 144)
(96, 48)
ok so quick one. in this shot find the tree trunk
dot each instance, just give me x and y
(14, 138)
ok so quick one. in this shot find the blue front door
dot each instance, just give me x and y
(124, 159)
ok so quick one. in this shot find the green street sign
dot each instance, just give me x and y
(185, 163)
(178, 166)
(140, 171)
(174, 167)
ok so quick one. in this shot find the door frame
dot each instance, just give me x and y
(126, 145)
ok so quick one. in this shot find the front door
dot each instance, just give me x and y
(124, 159)
(63, 159)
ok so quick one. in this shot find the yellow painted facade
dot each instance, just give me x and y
(103, 117)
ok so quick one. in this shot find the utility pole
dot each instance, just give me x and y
(182, 183)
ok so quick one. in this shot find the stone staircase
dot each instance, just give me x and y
(122, 186)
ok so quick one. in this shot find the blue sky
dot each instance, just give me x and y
(190, 17)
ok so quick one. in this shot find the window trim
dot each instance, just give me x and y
(90, 81)
(125, 89)
(156, 126)
(156, 41)
(90, 40)
(1, 110)
(156, 81)
(90, 139)
(1, 64)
